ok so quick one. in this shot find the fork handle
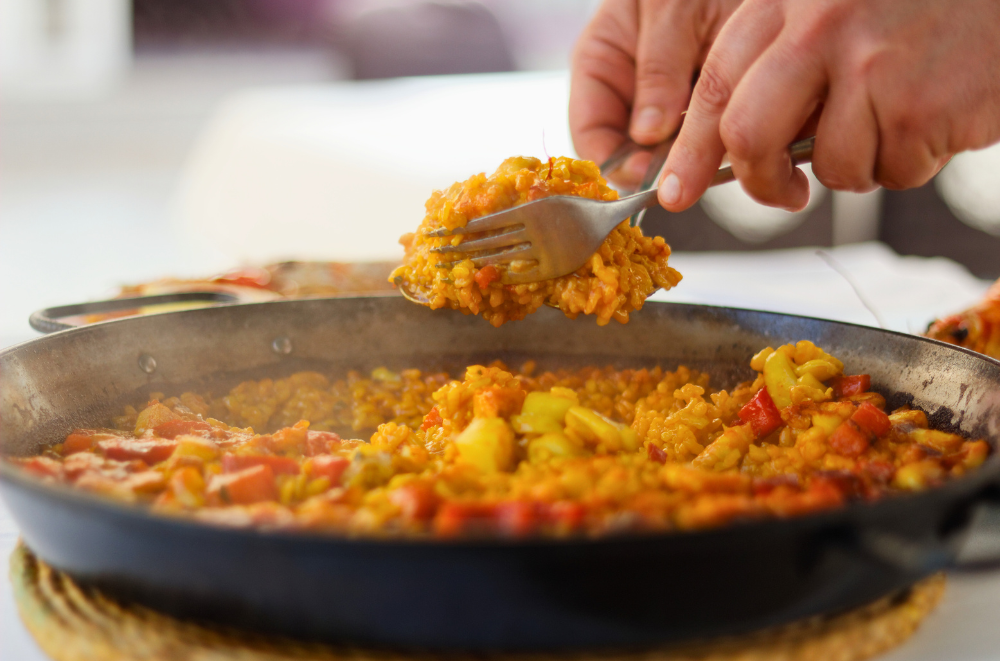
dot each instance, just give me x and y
(801, 152)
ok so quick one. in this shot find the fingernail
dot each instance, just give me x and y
(670, 190)
(648, 120)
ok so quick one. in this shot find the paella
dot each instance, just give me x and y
(514, 451)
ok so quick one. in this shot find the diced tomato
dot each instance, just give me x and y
(432, 419)
(761, 413)
(765, 485)
(450, 520)
(252, 485)
(871, 419)
(41, 466)
(566, 514)
(845, 386)
(233, 463)
(516, 518)
(77, 442)
(417, 500)
(146, 482)
(150, 450)
(77, 464)
(848, 440)
(656, 454)
(171, 429)
(486, 275)
(330, 467)
(846, 482)
(454, 518)
(879, 471)
(823, 493)
(321, 442)
(291, 438)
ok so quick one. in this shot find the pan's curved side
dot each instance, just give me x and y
(614, 593)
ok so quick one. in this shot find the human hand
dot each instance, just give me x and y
(892, 88)
(633, 68)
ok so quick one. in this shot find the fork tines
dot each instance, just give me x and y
(510, 237)
(494, 221)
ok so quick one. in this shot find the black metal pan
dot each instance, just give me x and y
(630, 591)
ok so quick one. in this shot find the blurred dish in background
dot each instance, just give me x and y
(267, 283)
(977, 328)
(752, 222)
(970, 186)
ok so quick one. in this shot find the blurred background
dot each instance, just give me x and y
(148, 138)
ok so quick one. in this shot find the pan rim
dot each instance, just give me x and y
(318, 299)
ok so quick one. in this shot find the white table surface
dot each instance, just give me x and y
(105, 229)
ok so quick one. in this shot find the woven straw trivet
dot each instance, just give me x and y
(71, 623)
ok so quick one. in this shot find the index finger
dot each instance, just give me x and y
(699, 149)
(602, 82)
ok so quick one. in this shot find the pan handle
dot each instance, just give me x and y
(50, 320)
(927, 557)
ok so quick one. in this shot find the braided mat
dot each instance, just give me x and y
(71, 623)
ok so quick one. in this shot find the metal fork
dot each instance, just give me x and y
(556, 235)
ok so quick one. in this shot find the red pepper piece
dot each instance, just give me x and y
(872, 420)
(848, 483)
(848, 440)
(455, 518)
(331, 467)
(417, 501)
(656, 454)
(761, 413)
(253, 485)
(432, 419)
(486, 275)
(516, 518)
(77, 442)
(566, 514)
(41, 466)
(321, 442)
(171, 429)
(763, 486)
(150, 450)
(879, 471)
(234, 463)
(845, 386)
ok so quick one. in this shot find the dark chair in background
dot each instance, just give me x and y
(918, 222)
(426, 38)
(912, 222)
(695, 230)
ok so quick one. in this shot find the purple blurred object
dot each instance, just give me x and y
(427, 38)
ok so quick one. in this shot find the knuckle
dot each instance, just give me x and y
(654, 73)
(713, 90)
(912, 115)
(840, 176)
(824, 18)
(739, 139)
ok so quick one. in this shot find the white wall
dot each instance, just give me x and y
(54, 48)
